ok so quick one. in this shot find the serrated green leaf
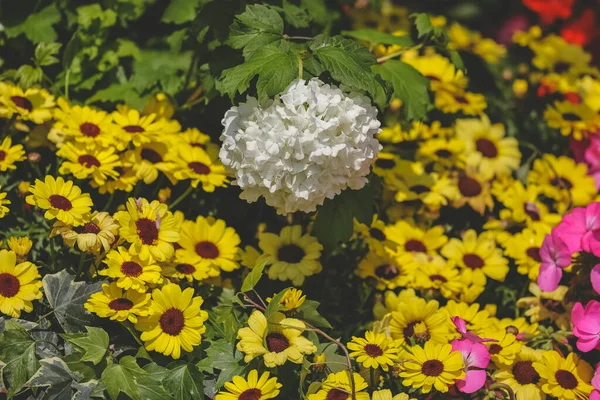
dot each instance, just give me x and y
(180, 11)
(17, 353)
(317, 9)
(252, 278)
(45, 53)
(423, 25)
(29, 75)
(184, 382)
(94, 343)
(38, 27)
(275, 66)
(275, 305)
(257, 26)
(122, 378)
(262, 18)
(308, 312)
(296, 16)
(409, 86)
(165, 68)
(376, 37)
(86, 15)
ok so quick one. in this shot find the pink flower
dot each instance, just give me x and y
(595, 278)
(578, 227)
(579, 148)
(555, 256)
(476, 357)
(586, 325)
(461, 327)
(595, 395)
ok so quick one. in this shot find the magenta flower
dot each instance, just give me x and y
(586, 325)
(595, 278)
(595, 395)
(461, 327)
(555, 256)
(476, 357)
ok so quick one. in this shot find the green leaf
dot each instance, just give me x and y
(275, 66)
(180, 11)
(118, 93)
(274, 305)
(74, 45)
(38, 27)
(29, 75)
(296, 16)
(376, 37)
(184, 382)
(308, 312)
(163, 67)
(348, 62)
(17, 353)
(54, 374)
(45, 53)
(456, 59)
(94, 343)
(318, 11)
(67, 298)
(123, 377)
(88, 14)
(223, 356)
(423, 25)
(256, 27)
(335, 220)
(86, 390)
(253, 277)
(409, 86)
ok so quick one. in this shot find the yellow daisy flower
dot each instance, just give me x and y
(374, 350)
(10, 154)
(338, 386)
(61, 199)
(130, 271)
(291, 300)
(21, 246)
(475, 318)
(386, 394)
(553, 53)
(33, 104)
(442, 154)
(159, 104)
(375, 235)
(440, 275)
(118, 304)
(150, 228)
(521, 376)
(195, 138)
(209, 246)
(85, 125)
(522, 204)
(439, 70)
(290, 255)
(432, 366)
(176, 321)
(89, 161)
(277, 340)
(19, 285)
(575, 120)
(389, 270)
(524, 248)
(3, 203)
(464, 39)
(564, 378)
(547, 305)
(93, 236)
(147, 160)
(137, 129)
(251, 389)
(505, 349)
(411, 238)
(473, 189)
(466, 102)
(195, 164)
(417, 322)
(478, 257)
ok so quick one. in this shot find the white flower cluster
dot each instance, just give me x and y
(309, 143)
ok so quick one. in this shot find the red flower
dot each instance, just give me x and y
(550, 10)
(580, 31)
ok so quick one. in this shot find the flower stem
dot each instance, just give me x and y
(286, 36)
(80, 266)
(504, 387)
(182, 197)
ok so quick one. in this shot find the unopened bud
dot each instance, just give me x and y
(34, 157)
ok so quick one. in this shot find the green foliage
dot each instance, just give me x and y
(184, 382)
(252, 278)
(38, 27)
(256, 27)
(308, 312)
(94, 343)
(129, 378)
(275, 305)
(54, 374)
(180, 11)
(376, 37)
(17, 353)
(221, 355)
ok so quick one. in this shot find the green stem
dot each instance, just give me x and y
(67, 75)
(44, 316)
(130, 330)
(300, 67)
(504, 387)
(80, 266)
(286, 36)
(9, 123)
(181, 198)
(397, 53)
(109, 202)
(372, 378)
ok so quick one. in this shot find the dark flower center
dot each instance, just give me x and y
(207, 249)
(554, 305)
(151, 155)
(419, 189)
(524, 373)
(22, 102)
(185, 269)
(88, 161)
(571, 117)
(387, 271)
(461, 100)
(534, 253)
(337, 394)
(2, 155)
(90, 227)
(486, 147)
(432, 368)
(133, 129)
(559, 181)
(9, 285)
(290, 253)
(373, 350)
(172, 321)
(433, 78)
(409, 333)
(495, 348)
(199, 168)
(196, 144)
(377, 234)
(469, 187)
(120, 304)
(532, 211)
(250, 394)
(566, 379)
(415, 245)
(561, 67)
(438, 278)
(277, 342)
(90, 130)
(147, 230)
(60, 202)
(443, 153)
(385, 163)
(473, 261)
(131, 268)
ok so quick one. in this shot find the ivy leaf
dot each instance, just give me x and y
(123, 377)
(86, 390)
(308, 312)
(17, 353)
(94, 343)
(67, 297)
(223, 356)
(409, 86)
(348, 62)
(45, 54)
(56, 375)
(180, 11)
(184, 382)
(376, 37)
(335, 220)
(257, 26)
(37, 27)
(252, 278)
(275, 66)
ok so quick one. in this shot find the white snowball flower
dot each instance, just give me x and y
(309, 143)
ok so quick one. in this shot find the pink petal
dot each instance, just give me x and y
(572, 228)
(588, 343)
(595, 278)
(479, 356)
(460, 324)
(474, 380)
(577, 313)
(549, 277)
(595, 395)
